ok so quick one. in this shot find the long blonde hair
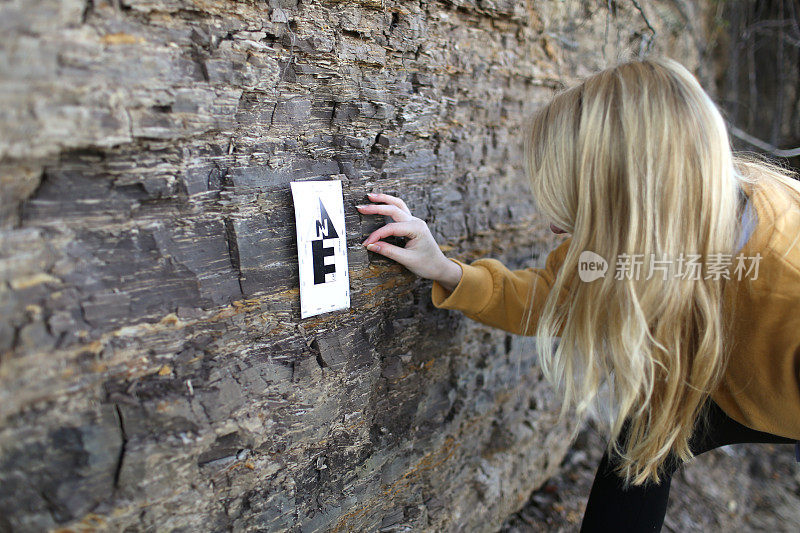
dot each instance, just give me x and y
(636, 160)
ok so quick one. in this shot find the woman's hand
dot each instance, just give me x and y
(421, 255)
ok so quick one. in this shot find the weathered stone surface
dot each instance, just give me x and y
(154, 372)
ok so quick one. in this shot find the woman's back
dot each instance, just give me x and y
(761, 386)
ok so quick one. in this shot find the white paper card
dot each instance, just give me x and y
(321, 246)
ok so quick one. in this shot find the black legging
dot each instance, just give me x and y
(642, 508)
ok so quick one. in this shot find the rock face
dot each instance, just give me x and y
(155, 374)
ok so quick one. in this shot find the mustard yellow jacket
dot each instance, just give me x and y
(761, 385)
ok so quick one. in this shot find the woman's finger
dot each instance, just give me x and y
(389, 250)
(397, 214)
(398, 229)
(389, 199)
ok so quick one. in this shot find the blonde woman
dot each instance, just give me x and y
(698, 346)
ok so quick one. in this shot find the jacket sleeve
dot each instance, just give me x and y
(491, 294)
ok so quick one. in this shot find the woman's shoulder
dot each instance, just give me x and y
(776, 236)
(776, 203)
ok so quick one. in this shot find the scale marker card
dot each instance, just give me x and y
(321, 246)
